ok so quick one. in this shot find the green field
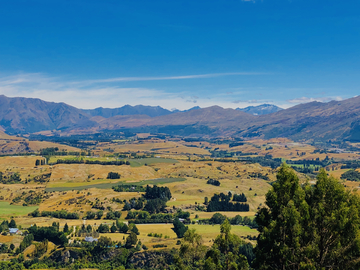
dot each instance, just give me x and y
(158, 181)
(82, 187)
(15, 210)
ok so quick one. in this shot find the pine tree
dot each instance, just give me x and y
(66, 228)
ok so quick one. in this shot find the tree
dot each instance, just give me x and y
(279, 224)
(131, 240)
(225, 252)
(134, 229)
(12, 224)
(308, 227)
(179, 228)
(123, 228)
(192, 250)
(99, 214)
(103, 228)
(113, 228)
(66, 228)
(206, 200)
(332, 233)
(12, 246)
(104, 242)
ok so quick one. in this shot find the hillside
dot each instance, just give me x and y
(128, 110)
(27, 115)
(335, 120)
(311, 121)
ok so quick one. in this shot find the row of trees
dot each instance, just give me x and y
(56, 214)
(221, 202)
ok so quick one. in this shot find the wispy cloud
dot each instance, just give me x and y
(183, 77)
(309, 99)
(110, 93)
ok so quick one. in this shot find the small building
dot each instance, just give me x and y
(90, 239)
(14, 230)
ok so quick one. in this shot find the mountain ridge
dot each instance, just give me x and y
(334, 120)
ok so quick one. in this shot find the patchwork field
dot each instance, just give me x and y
(184, 167)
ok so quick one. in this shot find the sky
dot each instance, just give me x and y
(180, 54)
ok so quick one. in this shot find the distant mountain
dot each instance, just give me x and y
(24, 115)
(335, 120)
(193, 108)
(213, 121)
(261, 109)
(151, 111)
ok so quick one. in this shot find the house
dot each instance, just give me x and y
(90, 239)
(13, 230)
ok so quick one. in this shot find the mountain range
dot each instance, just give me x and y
(335, 120)
(261, 109)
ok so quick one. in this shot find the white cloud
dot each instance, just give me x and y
(198, 76)
(308, 99)
(103, 93)
(106, 93)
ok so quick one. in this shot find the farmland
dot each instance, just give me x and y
(81, 184)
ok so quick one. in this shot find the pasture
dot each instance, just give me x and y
(8, 210)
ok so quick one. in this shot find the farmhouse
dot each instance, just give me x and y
(90, 239)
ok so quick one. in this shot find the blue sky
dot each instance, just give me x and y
(180, 54)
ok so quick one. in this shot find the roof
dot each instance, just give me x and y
(90, 239)
(13, 230)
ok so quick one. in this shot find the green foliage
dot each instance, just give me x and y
(239, 197)
(308, 227)
(10, 179)
(113, 228)
(128, 188)
(351, 175)
(113, 175)
(12, 224)
(221, 202)
(41, 248)
(156, 192)
(123, 228)
(51, 233)
(66, 228)
(179, 228)
(213, 182)
(134, 229)
(103, 228)
(225, 252)
(56, 214)
(27, 241)
(131, 240)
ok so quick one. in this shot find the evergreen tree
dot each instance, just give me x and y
(66, 228)
(308, 227)
(279, 224)
(179, 228)
(131, 240)
(113, 228)
(12, 224)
